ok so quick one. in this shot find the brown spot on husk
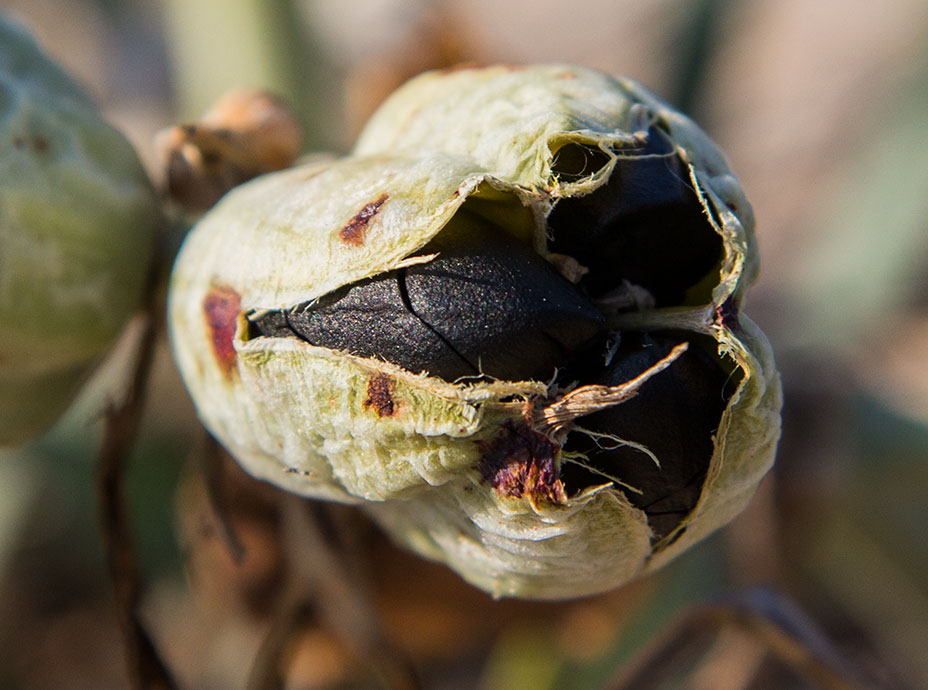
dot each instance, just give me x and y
(520, 461)
(221, 308)
(354, 231)
(380, 396)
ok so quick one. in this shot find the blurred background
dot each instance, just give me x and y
(822, 110)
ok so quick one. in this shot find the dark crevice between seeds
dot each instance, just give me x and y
(675, 415)
(645, 225)
(404, 296)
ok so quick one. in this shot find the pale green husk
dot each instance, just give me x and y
(77, 223)
(451, 146)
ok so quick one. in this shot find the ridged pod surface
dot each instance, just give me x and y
(78, 218)
(508, 325)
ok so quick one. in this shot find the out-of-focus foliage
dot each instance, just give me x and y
(819, 107)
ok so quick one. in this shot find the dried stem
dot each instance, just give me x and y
(144, 666)
(267, 667)
(777, 625)
(214, 476)
(324, 579)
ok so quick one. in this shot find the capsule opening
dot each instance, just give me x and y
(646, 226)
(573, 162)
(657, 447)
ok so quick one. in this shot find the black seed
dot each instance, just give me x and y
(645, 225)
(487, 304)
(674, 415)
(271, 324)
(369, 318)
(498, 302)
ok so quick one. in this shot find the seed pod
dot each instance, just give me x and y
(77, 223)
(508, 325)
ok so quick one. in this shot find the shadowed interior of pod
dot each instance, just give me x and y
(489, 306)
(674, 416)
(645, 226)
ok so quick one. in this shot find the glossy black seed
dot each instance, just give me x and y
(675, 415)
(487, 304)
(645, 225)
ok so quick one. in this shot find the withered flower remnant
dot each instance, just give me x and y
(508, 325)
(244, 134)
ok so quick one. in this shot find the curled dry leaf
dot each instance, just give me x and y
(508, 325)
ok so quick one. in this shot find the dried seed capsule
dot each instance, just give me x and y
(77, 224)
(492, 216)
